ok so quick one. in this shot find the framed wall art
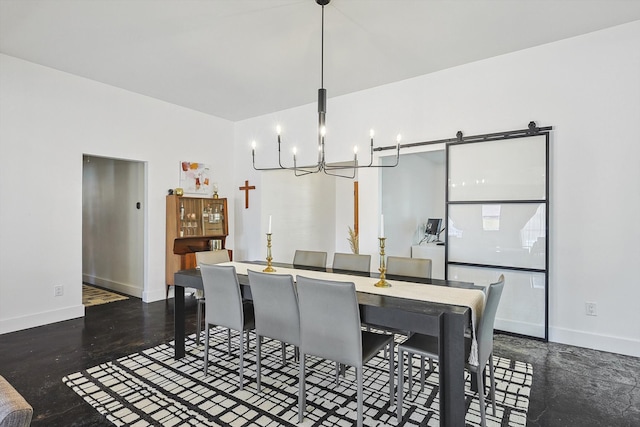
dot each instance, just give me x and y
(195, 178)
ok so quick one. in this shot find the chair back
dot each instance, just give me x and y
(485, 328)
(212, 257)
(330, 320)
(351, 262)
(275, 305)
(310, 258)
(412, 267)
(224, 300)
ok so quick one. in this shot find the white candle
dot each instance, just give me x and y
(381, 225)
(269, 224)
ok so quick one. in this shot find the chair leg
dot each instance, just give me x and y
(337, 373)
(241, 359)
(483, 415)
(248, 339)
(422, 375)
(228, 342)
(301, 391)
(400, 383)
(391, 372)
(360, 381)
(410, 373)
(206, 349)
(284, 353)
(198, 321)
(493, 384)
(258, 362)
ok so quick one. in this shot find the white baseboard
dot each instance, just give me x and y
(156, 294)
(40, 319)
(583, 339)
(522, 328)
(620, 345)
(124, 288)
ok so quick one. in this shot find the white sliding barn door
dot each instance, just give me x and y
(497, 223)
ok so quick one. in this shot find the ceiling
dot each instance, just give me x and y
(238, 59)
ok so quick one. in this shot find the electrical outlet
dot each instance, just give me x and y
(590, 308)
(58, 290)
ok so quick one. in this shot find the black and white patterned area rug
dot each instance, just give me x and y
(151, 388)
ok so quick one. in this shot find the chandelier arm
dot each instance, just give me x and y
(327, 172)
(370, 165)
(300, 172)
(279, 155)
(395, 164)
(253, 156)
(294, 168)
(267, 169)
(304, 170)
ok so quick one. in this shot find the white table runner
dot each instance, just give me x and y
(472, 298)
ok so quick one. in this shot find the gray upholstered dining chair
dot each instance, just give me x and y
(330, 329)
(427, 346)
(225, 308)
(351, 262)
(276, 313)
(411, 267)
(310, 258)
(208, 257)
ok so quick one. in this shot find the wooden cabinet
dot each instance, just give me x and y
(193, 225)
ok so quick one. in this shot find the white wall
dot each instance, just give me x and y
(412, 193)
(586, 87)
(48, 119)
(302, 209)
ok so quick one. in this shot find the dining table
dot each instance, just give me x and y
(410, 304)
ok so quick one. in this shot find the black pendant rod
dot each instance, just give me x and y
(322, 51)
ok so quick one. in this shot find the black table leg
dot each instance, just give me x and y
(178, 320)
(451, 365)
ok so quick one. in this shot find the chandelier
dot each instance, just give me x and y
(321, 165)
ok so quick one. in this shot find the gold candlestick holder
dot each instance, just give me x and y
(269, 268)
(382, 283)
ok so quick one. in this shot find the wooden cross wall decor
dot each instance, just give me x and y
(246, 189)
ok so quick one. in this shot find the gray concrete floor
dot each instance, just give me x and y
(574, 386)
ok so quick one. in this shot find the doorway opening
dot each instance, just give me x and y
(113, 224)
